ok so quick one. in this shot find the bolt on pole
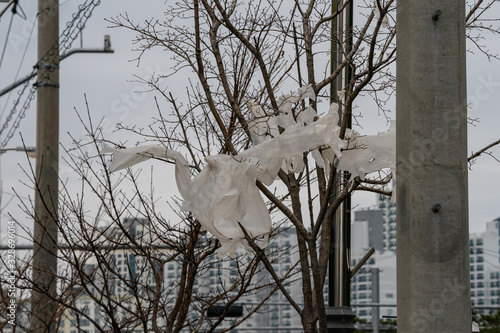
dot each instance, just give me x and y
(43, 306)
(432, 195)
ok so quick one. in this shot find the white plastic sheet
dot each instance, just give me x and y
(124, 158)
(286, 150)
(220, 196)
(371, 153)
(224, 193)
(376, 13)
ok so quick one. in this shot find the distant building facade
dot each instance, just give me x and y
(128, 266)
(485, 267)
(371, 227)
(374, 227)
(132, 275)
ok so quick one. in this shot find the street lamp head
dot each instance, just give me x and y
(30, 150)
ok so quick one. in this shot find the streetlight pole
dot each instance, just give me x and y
(339, 312)
(43, 304)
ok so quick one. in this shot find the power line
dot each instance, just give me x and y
(7, 37)
(22, 60)
(15, 6)
(67, 37)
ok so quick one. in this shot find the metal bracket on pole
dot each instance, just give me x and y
(340, 319)
(43, 84)
(362, 261)
(46, 66)
(107, 49)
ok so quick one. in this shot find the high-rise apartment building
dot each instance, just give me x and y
(119, 276)
(131, 275)
(376, 226)
(371, 228)
(485, 267)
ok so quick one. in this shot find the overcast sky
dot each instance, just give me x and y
(106, 80)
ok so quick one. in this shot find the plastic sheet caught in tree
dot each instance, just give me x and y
(124, 158)
(220, 196)
(370, 153)
(224, 194)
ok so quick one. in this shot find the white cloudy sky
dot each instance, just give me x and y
(106, 80)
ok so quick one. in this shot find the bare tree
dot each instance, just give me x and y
(233, 56)
(125, 266)
(241, 52)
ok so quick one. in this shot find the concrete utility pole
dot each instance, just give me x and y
(432, 230)
(43, 307)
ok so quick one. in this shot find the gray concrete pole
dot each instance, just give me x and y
(375, 299)
(432, 230)
(47, 155)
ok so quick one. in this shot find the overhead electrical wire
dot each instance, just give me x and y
(7, 38)
(20, 64)
(15, 7)
(67, 37)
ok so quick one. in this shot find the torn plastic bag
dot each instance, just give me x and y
(220, 196)
(370, 153)
(259, 126)
(306, 92)
(224, 193)
(124, 158)
(287, 148)
(306, 116)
